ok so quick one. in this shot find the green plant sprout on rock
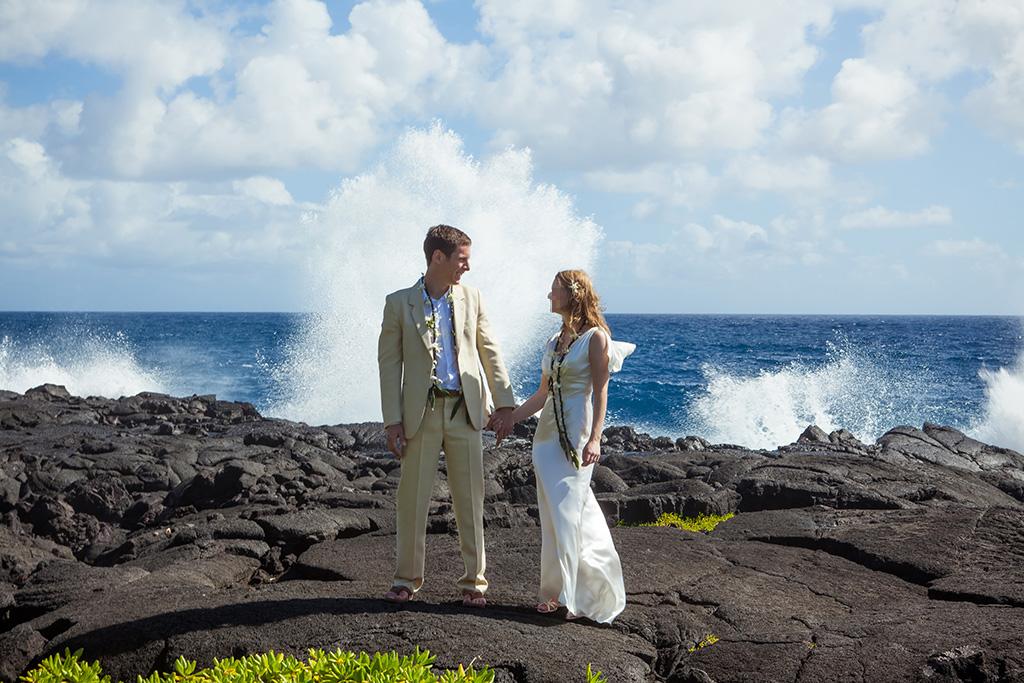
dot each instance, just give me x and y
(701, 523)
(708, 640)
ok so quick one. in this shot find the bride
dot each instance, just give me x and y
(579, 566)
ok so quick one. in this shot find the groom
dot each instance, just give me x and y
(434, 341)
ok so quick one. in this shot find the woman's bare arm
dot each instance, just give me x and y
(599, 378)
(533, 404)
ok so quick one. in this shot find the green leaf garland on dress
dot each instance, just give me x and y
(558, 405)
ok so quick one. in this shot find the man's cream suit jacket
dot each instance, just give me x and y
(405, 361)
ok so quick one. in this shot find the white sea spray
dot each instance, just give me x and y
(87, 364)
(850, 390)
(368, 242)
(1003, 419)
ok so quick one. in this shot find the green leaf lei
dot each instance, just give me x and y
(435, 339)
(555, 388)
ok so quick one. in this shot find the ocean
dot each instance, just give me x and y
(754, 380)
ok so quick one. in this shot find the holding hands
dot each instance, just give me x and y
(501, 422)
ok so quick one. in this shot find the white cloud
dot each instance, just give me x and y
(876, 113)
(727, 236)
(643, 209)
(649, 82)
(45, 214)
(677, 185)
(305, 96)
(1000, 102)
(36, 201)
(692, 185)
(157, 44)
(660, 82)
(937, 39)
(917, 45)
(725, 246)
(294, 94)
(59, 117)
(602, 86)
(726, 118)
(972, 249)
(881, 217)
(643, 260)
(781, 175)
(30, 29)
(267, 190)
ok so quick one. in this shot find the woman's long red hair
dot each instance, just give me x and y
(584, 304)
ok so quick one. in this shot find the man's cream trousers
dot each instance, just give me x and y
(463, 452)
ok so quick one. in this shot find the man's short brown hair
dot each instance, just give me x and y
(446, 238)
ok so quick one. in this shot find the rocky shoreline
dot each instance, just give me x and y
(149, 527)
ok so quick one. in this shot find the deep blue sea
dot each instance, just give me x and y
(756, 380)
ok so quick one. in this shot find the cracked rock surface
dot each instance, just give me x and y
(151, 526)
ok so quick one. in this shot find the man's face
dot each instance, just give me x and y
(455, 265)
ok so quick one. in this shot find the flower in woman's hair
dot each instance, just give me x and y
(574, 287)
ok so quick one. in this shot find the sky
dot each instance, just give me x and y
(754, 156)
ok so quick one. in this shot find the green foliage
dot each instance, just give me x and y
(66, 667)
(709, 640)
(701, 523)
(595, 676)
(272, 667)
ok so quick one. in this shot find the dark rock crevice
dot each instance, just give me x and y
(903, 571)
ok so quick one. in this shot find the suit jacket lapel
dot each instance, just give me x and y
(459, 313)
(418, 316)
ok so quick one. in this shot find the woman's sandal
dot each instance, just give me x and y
(473, 599)
(399, 594)
(549, 606)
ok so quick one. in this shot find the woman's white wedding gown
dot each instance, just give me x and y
(579, 565)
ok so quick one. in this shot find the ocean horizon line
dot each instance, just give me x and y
(746, 314)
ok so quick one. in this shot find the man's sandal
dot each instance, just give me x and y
(399, 594)
(473, 599)
(549, 606)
